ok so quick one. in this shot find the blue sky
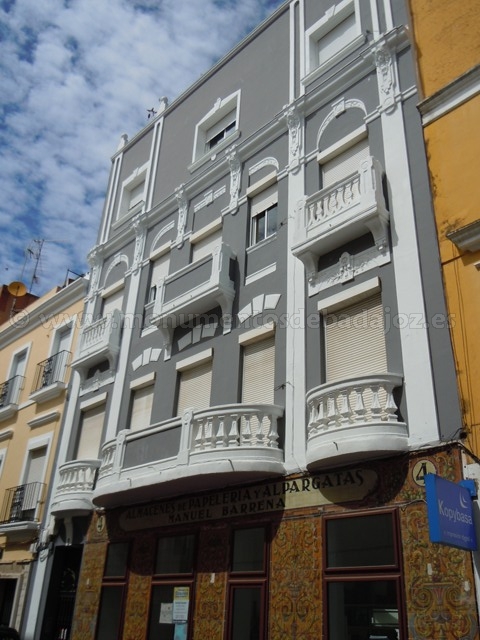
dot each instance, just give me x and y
(74, 76)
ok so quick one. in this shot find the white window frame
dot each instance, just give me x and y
(162, 252)
(113, 290)
(333, 17)
(134, 180)
(222, 111)
(262, 202)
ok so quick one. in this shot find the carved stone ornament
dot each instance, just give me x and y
(294, 129)
(386, 79)
(235, 173)
(182, 202)
(94, 259)
(140, 227)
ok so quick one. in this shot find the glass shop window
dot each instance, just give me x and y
(112, 600)
(363, 590)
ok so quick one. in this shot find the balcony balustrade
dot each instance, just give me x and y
(228, 443)
(340, 213)
(99, 340)
(19, 516)
(195, 289)
(76, 481)
(351, 420)
(9, 394)
(50, 377)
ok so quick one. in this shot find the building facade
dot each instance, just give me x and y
(264, 375)
(35, 350)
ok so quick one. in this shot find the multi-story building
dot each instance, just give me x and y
(35, 350)
(264, 374)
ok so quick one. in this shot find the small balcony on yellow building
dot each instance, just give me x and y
(76, 482)
(340, 213)
(195, 289)
(20, 514)
(206, 449)
(9, 395)
(50, 377)
(354, 420)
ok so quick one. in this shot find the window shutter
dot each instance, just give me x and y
(264, 200)
(115, 301)
(206, 245)
(36, 464)
(221, 125)
(159, 270)
(136, 194)
(90, 434)
(62, 340)
(259, 372)
(337, 38)
(345, 164)
(355, 340)
(141, 408)
(195, 387)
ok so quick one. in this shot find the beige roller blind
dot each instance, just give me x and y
(136, 194)
(259, 372)
(91, 433)
(355, 340)
(159, 271)
(344, 164)
(115, 301)
(195, 387)
(337, 38)
(206, 245)
(142, 402)
(264, 200)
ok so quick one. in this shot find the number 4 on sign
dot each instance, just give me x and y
(421, 469)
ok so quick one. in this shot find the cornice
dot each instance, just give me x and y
(466, 238)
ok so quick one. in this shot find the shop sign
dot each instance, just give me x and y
(450, 513)
(303, 492)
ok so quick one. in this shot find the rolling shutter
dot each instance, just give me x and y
(115, 301)
(159, 271)
(141, 408)
(344, 164)
(337, 38)
(206, 245)
(195, 387)
(355, 340)
(91, 433)
(259, 372)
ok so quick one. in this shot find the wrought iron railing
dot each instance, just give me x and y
(51, 370)
(9, 390)
(20, 504)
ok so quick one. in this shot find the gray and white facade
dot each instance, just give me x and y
(265, 310)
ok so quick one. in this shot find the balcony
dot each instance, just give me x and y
(76, 481)
(342, 212)
(50, 377)
(19, 517)
(9, 394)
(98, 341)
(195, 289)
(206, 449)
(354, 420)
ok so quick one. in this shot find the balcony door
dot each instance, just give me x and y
(258, 381)
(345, 163)
(26, 496)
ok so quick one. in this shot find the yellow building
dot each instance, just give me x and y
(35, 350)
(448, 63)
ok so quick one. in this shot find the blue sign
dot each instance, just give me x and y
(450, 514)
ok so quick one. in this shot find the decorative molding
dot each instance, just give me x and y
(339, 107)
(168, 227)
(294, 129)
(94, 259)
(148, 355)
(6, 434)
(261, 273)
(386, 78)
(235, 174)
(209, 197)
(466, 238)
(348, 267)
(117, 259)
(264, 163)
(182, 204)
(139, 225)
(43, 418)
(259, 304)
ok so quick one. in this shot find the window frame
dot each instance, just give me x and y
(115, 582)
(125, 210)
(365, 573)
(262, 200)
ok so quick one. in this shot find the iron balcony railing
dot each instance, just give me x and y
(20, 504)
(9, 391)
(51, 370)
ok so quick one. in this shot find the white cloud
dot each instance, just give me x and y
(75, 75)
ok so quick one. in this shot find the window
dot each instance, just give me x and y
(345, 163)
(363, 577)
(263, 209)
(27, 496)
(115, 574)
(158, 271)
(333, 36)
(171, 606)
(248, 584)
(10, 388)
(133, 192)
(355, 340)
(195, 383)
(206, 245)
(218, 128)
(141, 411)
(258, 379)
(112, 302)
(91, 428)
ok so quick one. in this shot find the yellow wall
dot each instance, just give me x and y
(446, 39)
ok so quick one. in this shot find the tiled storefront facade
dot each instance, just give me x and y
(437, 598)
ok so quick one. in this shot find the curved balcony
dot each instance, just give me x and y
(195, 289)
(99, 340)
(76, 481)
(340, 213)
(211, 448)
(354, 420)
